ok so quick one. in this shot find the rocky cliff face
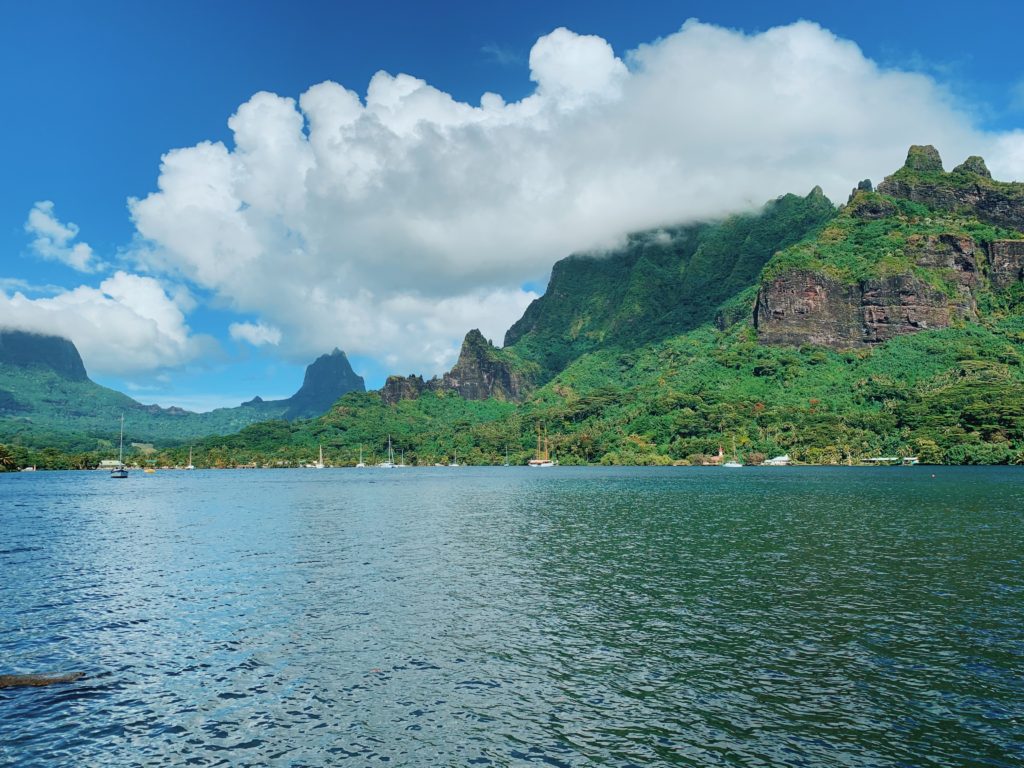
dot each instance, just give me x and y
(24, 349)
(1006, 263)
(967, 188)
(481, 372)
(812, 308)
(327, 378)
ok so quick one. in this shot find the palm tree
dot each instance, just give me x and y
(6, 459)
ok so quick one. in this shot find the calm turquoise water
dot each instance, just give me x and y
(566, 617)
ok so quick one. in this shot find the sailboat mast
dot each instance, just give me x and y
(120, 450)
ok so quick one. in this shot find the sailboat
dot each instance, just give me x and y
(189, 465)
(320, 462)
(454, 462)
(360, 465)
(402, 462)
(390, 463)
(120, 471)
(543, 457)
(506, 457)
(734, 461)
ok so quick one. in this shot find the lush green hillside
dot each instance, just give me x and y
(663, 282)
(948, 396)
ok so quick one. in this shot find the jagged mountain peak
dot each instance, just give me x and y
(327, 378)
(975, 165)
(923, 158)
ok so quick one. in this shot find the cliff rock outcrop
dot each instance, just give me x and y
(1005, 263)
(805, 307)
(482, 373)
(884, 268)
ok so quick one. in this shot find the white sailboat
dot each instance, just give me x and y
(735, 461)
(543, 457)
(189, 465)
(360, 465)
(320, 462)
(454, 462)
(120, 471)
(390, 463)
(506, 457)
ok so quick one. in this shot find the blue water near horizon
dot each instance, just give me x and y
(508, 616)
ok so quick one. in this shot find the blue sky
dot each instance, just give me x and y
(95, 93)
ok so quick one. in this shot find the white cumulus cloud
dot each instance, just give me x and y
(125, 326)
(256, 334)
(390, 223)
(51, 239)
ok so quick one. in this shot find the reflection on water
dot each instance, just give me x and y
(429, 617)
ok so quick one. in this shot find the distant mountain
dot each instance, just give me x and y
(327, 378)
(47, 399)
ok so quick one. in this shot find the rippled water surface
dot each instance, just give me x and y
(567, 617)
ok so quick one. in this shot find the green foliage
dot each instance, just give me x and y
(954, 395)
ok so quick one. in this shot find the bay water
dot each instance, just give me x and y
(511, 616)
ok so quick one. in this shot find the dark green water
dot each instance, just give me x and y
(688, 616)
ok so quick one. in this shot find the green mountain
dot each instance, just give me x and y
(661, 283)
(48, 401)
(893, 326)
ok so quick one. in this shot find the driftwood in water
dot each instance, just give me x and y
(10, 681)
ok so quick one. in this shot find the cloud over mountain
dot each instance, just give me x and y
(127, 325)
(391, 223)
